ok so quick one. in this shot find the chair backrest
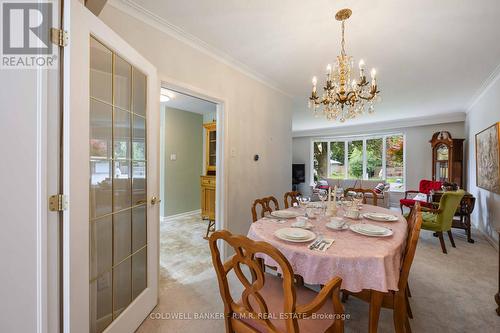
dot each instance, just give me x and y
(252, 304)
(414, 224)
(426, 186)
(290, 198)
(448, 205)
(364, 191)
(266, 206)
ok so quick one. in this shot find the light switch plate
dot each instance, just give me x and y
(173, 157)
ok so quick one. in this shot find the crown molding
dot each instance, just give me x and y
(443, 118)
(137, 11)
(484, 88)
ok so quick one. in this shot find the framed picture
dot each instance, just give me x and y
(488, 158)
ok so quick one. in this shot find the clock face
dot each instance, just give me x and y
(442, 152)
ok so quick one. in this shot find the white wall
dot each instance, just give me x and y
(258, 117)
(484, 113)
(418, 148)
(28, 239)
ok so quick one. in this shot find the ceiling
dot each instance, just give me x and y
(432, 57)
(189, 103)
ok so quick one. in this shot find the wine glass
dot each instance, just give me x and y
(323, 195)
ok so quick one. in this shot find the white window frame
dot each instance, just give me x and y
(363, 138)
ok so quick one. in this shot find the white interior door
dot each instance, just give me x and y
(110, 152)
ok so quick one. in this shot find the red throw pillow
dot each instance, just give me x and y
(379, 188)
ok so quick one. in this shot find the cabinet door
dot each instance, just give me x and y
(210, 201)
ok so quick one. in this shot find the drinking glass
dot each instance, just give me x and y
(323, 195)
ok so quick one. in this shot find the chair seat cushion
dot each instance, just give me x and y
(272, 292)
(411, 203)
(429, 222)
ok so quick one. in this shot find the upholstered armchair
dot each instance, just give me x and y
(425, 187)
(440, 219)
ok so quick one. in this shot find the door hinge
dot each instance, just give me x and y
(59, 37)
(58, 203)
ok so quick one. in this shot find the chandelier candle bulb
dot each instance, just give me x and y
(374, 73)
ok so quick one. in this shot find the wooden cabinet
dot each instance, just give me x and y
(207, 181)
(447, 158)
(208, 197)
(210, 147)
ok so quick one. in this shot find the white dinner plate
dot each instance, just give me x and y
(285, 214)
(381, 217)
(296, 235)
(371, 230)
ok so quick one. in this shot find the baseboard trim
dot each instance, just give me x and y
(489, 239)
(185, 214)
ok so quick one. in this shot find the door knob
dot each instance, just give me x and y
(155, 200)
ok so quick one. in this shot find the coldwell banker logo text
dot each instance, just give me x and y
(26, 41)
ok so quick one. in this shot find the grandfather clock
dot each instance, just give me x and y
(447, 158)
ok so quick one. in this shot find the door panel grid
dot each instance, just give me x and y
(118, 165)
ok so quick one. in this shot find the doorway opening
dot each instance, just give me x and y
(190, 186)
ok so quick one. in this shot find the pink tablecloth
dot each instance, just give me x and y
(362, 262)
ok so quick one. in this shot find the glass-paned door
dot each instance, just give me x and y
(355, 158)
(337, 160)
(118, 177)
(320, 161)
(395, 161)
(374, 156)
(110, 176)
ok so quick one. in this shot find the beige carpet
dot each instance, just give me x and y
(451, 293)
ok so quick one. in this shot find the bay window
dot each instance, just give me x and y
(377, 157)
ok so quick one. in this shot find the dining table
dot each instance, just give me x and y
(363, 262)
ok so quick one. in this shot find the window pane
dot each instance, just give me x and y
(122, 188)
(394, 162)
(320, 160)
(101, 246)
(355, 166)
(374, 158)
(100, 303)
(121, 134)
(337, 154)
(139, 92)
(123, 72)
(101, 68)
(100, 188)
(139, 138)
(139, 273)
(122, 235)
(122, 286)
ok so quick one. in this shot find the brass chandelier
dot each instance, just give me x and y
(345, 98)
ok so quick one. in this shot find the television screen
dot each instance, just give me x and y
(298, 173)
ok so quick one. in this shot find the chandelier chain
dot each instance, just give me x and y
(343, 39)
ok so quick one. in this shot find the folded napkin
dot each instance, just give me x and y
(323, 245)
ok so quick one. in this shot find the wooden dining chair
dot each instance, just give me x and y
(267, 205)
(269, 303)
(290, 198)
(372, 193)
(395, 300)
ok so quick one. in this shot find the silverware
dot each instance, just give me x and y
(318, 245)
(323, 245)
(315, 244)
